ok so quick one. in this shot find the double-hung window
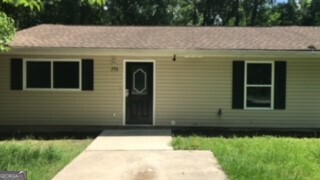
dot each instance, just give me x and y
(52, 74)
(259, 85)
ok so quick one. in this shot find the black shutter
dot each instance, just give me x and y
(238, 84)
(16, 74)
(280, 85)
(87, 74)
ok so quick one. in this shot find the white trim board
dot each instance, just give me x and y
(124, 89)
(185, 53)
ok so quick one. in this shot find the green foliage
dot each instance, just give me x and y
(32, 4)
(7, 31)
(95, 2)
(132, 12)
(165, 12)
(31, 12)
(186, 13)
(41, 159)
(7, 28)
(260, 157)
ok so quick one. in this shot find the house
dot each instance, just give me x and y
(256, 77)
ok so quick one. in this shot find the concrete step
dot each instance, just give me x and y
(132, 139)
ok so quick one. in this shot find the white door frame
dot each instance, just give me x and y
(124, 89)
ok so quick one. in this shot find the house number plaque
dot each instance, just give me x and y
(114, 69)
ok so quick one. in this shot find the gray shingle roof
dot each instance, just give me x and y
(162, 37)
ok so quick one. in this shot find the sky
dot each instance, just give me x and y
(282, 1)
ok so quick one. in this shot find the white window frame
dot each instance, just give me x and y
(52, 77)
(259, 85)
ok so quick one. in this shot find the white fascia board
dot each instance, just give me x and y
(180, 53)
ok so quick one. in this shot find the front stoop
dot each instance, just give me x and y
(133, 139)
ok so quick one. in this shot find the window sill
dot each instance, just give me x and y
(48, 89)
(252, 108)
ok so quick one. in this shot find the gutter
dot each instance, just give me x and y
(180, 53)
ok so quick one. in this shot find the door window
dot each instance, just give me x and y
(139, 82)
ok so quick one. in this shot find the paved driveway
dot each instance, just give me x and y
(140, 155)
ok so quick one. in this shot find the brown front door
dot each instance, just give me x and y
(139, 93)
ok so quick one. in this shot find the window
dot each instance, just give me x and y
(52, 74)
(38, 74)
(259, 85)
(66, 75)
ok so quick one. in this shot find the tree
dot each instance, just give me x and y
(7, 24)
(312, 14)
(32, 4)
(7, 31)
(143, 12)
(7, 28)
(186, 12)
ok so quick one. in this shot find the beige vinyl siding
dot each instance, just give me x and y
(189, 91)
(64, 107)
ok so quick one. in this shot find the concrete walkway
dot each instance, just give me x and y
(140, 155)
(148, 139)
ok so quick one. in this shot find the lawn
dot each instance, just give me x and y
(260, 157)
(42, 159)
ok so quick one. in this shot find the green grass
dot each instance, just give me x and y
(42, 159)
(260, 157)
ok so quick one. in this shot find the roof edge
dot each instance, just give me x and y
(198, 53)
(170, 26)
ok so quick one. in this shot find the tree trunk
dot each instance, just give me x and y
(313, 12)
(206, 13)
(237, 6)
(195, 14)
(254, 13)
